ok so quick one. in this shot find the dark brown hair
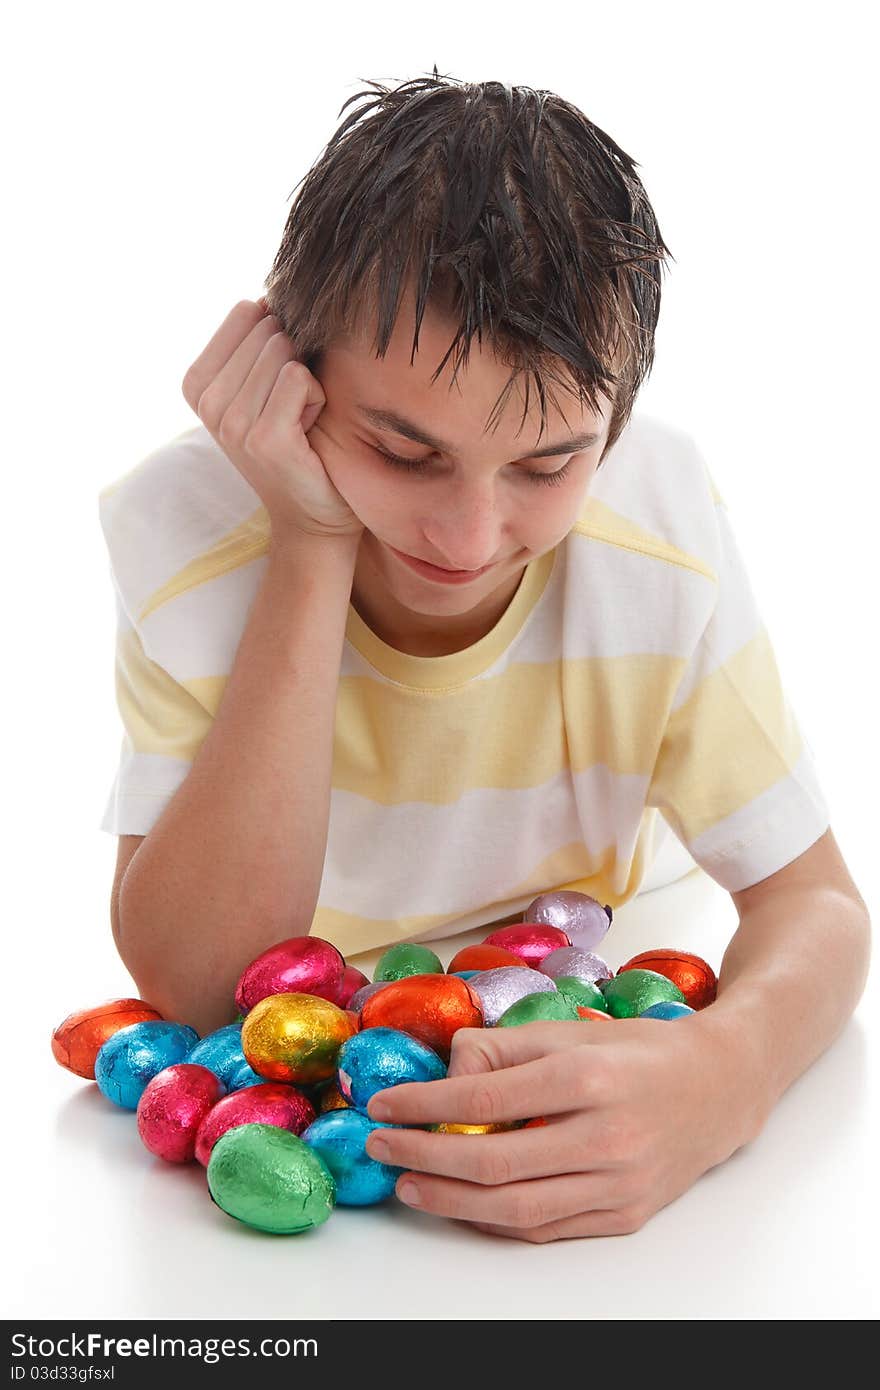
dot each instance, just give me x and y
(507, 209)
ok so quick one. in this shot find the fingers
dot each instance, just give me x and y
(587, 1223)
(521, 1205)
(489, 1049)
(489, 1159)
(554, 1084)
(234, 329)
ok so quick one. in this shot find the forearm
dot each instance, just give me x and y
(790, 979)
(234, 863)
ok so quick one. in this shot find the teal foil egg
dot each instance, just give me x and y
(381, 1057)
(128, 1061)
(667, 1008)
(339, 1139)
(220, 1052)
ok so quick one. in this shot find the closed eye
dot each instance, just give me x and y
(420, 465)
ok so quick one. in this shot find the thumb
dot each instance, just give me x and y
(476, 1050)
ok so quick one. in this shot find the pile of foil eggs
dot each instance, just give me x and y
(274, 1105)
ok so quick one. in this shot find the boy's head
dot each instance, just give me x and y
(452, 213)
(520, 221)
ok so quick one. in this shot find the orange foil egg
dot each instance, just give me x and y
(694, 977)
(295, 1037)
(482, 957)
(498, 1127)
(430, 1008)
(77, 1041)
(586, 1012)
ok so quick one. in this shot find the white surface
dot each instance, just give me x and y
(785, 1229)
(149, 180)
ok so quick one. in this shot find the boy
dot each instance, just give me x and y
(394, 656)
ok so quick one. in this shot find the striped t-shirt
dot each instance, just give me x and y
(630, 685)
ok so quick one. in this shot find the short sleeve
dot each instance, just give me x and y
(734, 776)
(164, 725)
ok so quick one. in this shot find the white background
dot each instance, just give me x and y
(150, 155)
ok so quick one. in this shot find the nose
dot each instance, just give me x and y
(465, 531)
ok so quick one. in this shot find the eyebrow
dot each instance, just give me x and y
(387, 419)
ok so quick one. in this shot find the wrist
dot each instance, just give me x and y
(734, 1061)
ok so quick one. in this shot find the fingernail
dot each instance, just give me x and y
(408, 1192)
(378, 1110)
(378, 1147)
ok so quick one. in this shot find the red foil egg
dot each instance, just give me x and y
(299, 965)
(352, 980)
(586, 1012)
(271, 1103)
(430, 1008)
(481, 957)
(694, 977)
(172, 1108)
(77, 1041)
(531, 941)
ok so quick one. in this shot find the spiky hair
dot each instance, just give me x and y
(502, 206)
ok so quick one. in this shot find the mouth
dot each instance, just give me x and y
(437, 572)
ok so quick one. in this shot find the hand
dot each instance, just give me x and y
(633, 1119)
(259, 403)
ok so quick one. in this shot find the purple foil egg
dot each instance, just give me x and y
(499, 988)
(571, 960)
(357, 1000)
(583, 919)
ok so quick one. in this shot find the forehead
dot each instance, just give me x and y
(402, 380)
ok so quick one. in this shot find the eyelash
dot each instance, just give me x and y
(418, 466)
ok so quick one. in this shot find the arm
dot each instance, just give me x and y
(638, 1111)
(234, 862)
(794, 970)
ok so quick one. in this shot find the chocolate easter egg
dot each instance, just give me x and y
(352, 981)
(298, 965)
(539, 1008)
(629, 994)
(378, 1057)
(268, 1178)
(339, 1139)
(667, 1009)
(481, 957)
(295, 1037)
(356, 1003)
(693, 976)
(407, 958)
(172, 1108)
(429, 1007)
(270, 1103)
(583, 919)
(130, 1059)
(220, 1052)
(499, 988)
(531, 941)
(77, 1040)
(573, 962)
(582, 992)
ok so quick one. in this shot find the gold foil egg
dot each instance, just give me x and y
(295, 1037)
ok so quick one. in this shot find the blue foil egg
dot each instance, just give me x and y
(465, 974)
(243, 1076)
(130, 1059)
(667, 1008)
(339, 1139)
(381, 1057)
(220, 1052)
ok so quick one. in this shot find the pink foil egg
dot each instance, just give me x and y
(173, 1106)
(583, 919)
(299, 965)
(352, 980)
(272, 1103)
(582, 965)
(531, 941)
(499, 988)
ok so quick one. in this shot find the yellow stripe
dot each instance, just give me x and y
(568, 868)
(160, 715)
(238, 547)
(732, 740)
(602, 523)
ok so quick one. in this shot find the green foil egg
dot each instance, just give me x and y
(629, 994)
(582, 992)
(537, 1008)
(268, 1178)
(405, 959)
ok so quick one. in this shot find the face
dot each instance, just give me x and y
(459, 498)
